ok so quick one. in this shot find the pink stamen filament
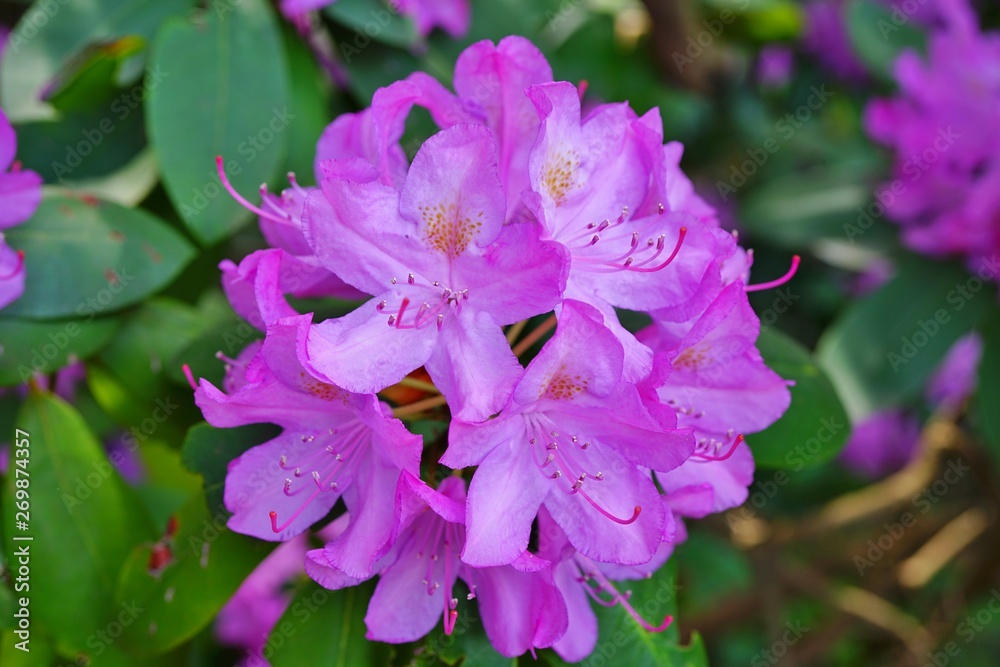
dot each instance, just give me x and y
(283, 219)
(17, 267)
(780, 281)
(610, 266)
(605, 586)
(336, 465)
(566, 464)
(700, 457)
(190, 376)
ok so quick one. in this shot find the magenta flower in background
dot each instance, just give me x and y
(956, 377)
(943, 128)
(882, 443)
(774, 66)
(252, 612)
(827, 39)
(20, 194)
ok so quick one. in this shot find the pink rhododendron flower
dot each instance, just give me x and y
(580, 467)
(334, 444)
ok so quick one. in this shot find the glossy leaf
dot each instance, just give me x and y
(882, 348)
(324, 627)
(205, 564)
(230, 98)
(84, 521)
(86, 257)
(815, 426)
(880, 34)
(28, 347)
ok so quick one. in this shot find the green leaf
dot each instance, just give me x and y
(51, 34)
(86, 257)
(208, 563)
(815, 426)
(28, 347)
(803, 208)
(84, 521)
(987, 399)
(149, 339)
(881, 350)
(327, 628)
(310, 101)
(208, 450)
(370, 20)
(225, 93)
(90, 79)
(877, 37)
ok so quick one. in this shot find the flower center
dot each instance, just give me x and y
(435, 302)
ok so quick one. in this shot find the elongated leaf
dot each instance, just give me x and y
(880, 34)
(51, 33)
(83, 521)
(324, 627)
(815, 427)
(28, 347)
(87, 257)
(370, 20)
(229, 97)
(881, 349)
(206, 564)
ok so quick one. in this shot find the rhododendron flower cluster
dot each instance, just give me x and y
(20, 194)
(559, 477)
(943, 126)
